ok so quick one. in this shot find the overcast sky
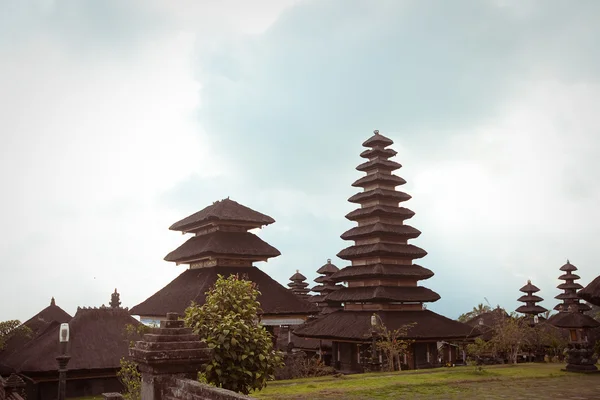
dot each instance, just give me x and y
(118, 118)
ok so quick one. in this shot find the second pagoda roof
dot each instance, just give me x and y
(591, 293)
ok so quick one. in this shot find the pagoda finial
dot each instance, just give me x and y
(329, 261)
(52, 302)
(529, 281)
(376, 131)
(297, 271)
(568, 261)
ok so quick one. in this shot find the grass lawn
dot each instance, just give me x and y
(523, 381)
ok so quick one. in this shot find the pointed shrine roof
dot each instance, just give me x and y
(225, 210)
(530, 288)
(223, 243)
(327, 269)
(377, 140)
(573, 320)
(97, 341)
(568, 267)
(192, 285)
(591, 293)
(297, 277)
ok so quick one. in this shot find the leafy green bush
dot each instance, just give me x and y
(244, 358)
(131, 379)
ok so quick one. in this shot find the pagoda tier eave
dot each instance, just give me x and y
(377, 177)
(400, 213)
(381, 230)
(531, 309)
(379, 193)
(383, 294)
(382, 270)
(568, 286)
(569, 277)
(377, 141)
(379, 163)
(376, 152)
(404, 251)
(533, 298)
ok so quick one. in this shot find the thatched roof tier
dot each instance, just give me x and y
(379, 164)
(328, 268)
(298, 277)
(192, 285)
(399, 213)
(398, 250)
(383, 293)
(378, 152)
(534, 309)
(379, 194)
(225, 210)
(582, 307)
(356, 326)
(530, 288)
(379, 177)
(570, 285)
(381, 229)
(97, 341)
(573, 320)
(569, 276)
(224, 244)
(530, 298)
(377, 140)
(326, 287)
(380, 270)
(567, 296)
(591, 293)
(568, 267)
(322, 279)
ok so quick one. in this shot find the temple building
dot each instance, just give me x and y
(325, 286)
(222, 245)
(530, 307)
(382, 278)
(298, 285)
(591, 293)
(569, 288)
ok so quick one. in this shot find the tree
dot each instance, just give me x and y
(12, 328)
(510, 335)
(131, 379)
(476, 311)
(244, 358)
(391, 343)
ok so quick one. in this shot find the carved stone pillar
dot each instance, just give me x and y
(166, 353)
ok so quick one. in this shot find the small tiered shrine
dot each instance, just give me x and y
(530, 307)
(222, 245)
(115, 299)
(382, 278)
(299, 286)
(570, 288)
(325, 286)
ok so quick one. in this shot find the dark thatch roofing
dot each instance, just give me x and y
(384, 293)
(378, 152)
(379, 163)
(222, 243)
(573, 320)
(401, 213)
(531, 309)
(192, 285)
(530, 288)
(569, 277)
(400, 250)
(377, 140)
(591, 293)
(528, 297)
(328, 268)
(97, 340)
(579, 306)
(382, 230)
(298, 277)
(389, 179)
(223, 210)
(382, 270)
(571, 285)
(38, 324)
(568, 267)
(356, 325)
(379, 194)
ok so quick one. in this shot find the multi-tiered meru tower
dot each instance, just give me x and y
(530, 299)
(382, 277)
(570, 288)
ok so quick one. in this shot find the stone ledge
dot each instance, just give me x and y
(187, 389)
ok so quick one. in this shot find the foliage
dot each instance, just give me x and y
(131, 379)
(313, 366)
(12, 328)
(476, 311)
(478, 348)
(244, 358)
(391, 344)
(134, 333)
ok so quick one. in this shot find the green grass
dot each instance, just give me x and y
(447, 382)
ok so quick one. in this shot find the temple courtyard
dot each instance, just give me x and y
(524, 381)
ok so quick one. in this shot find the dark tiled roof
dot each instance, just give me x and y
(244, 244)
(328, 269)
(96, 341)
(223, 210)
(401, 213)
(573, 320)
(406, 251)
(377, 140)
(192, 285)
(356, 325)
(384, 293)
(382, 230)
(381, 270)
(389, 179)
(591, 293)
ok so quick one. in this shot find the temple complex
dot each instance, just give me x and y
(569, 288)
(222, 245)
(530, 307)
(325, 286)
(382, 278)
(298, 285)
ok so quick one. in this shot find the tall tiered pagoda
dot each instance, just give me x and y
(530, 299)
(222, 245)
(382, 278)
(569, 288)
(325, 286)
(298, 285)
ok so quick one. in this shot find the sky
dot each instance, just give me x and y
(118, 118)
